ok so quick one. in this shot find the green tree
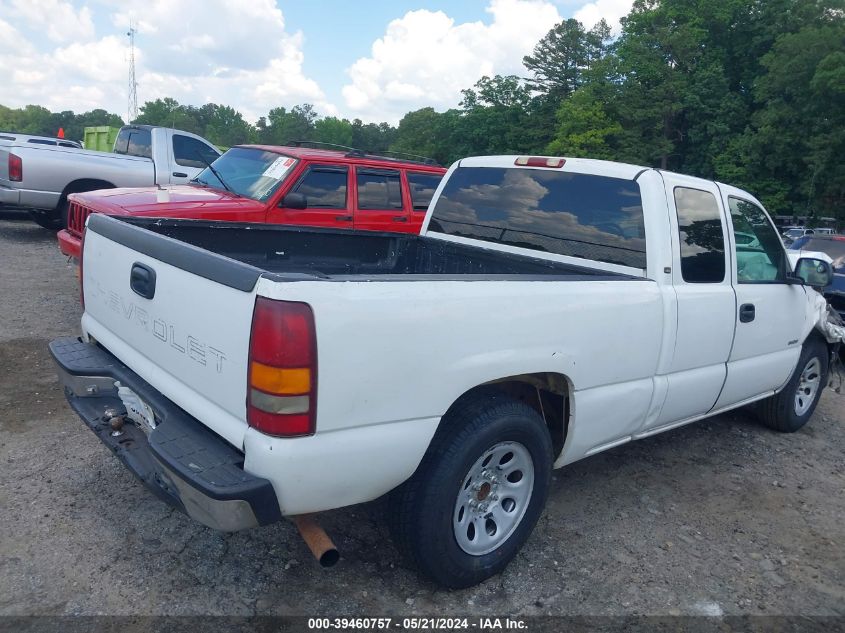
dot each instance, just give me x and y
(224, 125)
(559, 60)
(333, 130)
(585, 128)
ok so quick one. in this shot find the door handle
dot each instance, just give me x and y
(142, 280)
(747, 313)
(400, 219)
(343, 218)
(179, 174)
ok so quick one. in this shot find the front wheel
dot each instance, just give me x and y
(476, 496)
(790, 409)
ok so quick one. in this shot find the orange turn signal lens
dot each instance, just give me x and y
(280, 380)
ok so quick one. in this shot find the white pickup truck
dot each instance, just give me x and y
(550, 309)
(41, 176)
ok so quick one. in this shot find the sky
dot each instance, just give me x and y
(372, 59)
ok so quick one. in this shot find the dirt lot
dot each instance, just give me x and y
(719, 517)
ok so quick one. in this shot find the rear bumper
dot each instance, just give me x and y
(69, 244)
(180, 461)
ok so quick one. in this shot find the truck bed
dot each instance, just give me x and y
(291, 253)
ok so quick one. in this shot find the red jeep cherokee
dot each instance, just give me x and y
(339, 188)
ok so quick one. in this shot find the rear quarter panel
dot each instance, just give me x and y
(51, 169)
(398, 351)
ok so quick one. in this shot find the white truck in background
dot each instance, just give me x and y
(550, 309)
(41, 176)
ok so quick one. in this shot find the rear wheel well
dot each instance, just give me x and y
(547, 393)
(84, 184)
(77, 186)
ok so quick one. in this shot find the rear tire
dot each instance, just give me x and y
(790, 409)
(478, 492)
(50, 220)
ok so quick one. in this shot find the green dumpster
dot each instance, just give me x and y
(100, 138)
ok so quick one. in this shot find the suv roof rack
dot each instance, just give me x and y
(353, 152)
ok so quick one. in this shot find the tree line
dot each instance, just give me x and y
(749, 92)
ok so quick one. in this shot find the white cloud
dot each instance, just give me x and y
(610, 10)
(196, 51)
(242, 54)
(63, 23)
(425, 59)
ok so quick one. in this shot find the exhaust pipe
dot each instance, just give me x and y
(316, 539)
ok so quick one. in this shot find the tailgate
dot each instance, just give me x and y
(177, 315)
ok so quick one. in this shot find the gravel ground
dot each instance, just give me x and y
(722, 516)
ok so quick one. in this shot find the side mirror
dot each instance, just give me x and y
(814, 272)
(294, 201)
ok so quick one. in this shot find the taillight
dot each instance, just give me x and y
(15, 168)
(282, 376)
(539, 161)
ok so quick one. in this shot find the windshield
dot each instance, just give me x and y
(793, 233)
(833, 247)
(248, 172)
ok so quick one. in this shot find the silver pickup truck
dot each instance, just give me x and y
(42, 176)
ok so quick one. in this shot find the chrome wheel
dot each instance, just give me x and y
(808, 386)
(493, 498)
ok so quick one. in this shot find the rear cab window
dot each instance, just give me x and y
(134, 141)
(588, 216)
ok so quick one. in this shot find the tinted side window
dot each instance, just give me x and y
(325, 187)
(135, 142)
(422, 187)
(189, 152)
(581, 215)
(379, 189)
(702, 239)
(759, 254)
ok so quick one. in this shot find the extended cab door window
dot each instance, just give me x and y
(702, 240)
(325, 190)
(760, 257)
(379, 200)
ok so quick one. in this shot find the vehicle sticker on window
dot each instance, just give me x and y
(279, 167)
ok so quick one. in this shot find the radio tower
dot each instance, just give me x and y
(133, 85)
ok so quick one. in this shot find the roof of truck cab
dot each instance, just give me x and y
(338, 156)
(582, 165)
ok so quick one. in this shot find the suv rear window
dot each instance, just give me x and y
(422, 188)
(580, 215)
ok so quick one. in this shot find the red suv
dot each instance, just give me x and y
(311, 186)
